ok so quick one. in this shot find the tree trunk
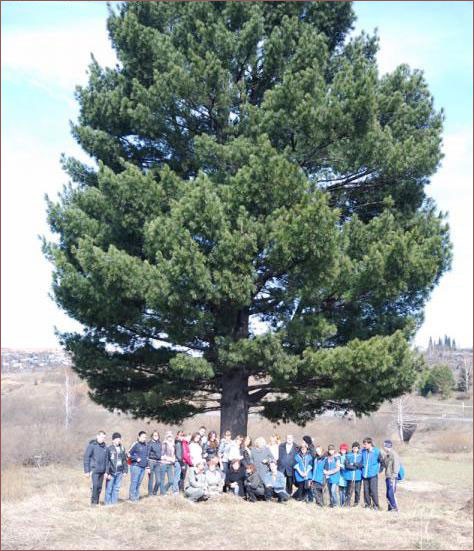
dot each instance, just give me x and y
(234, 403)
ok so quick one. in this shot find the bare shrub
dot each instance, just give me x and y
(452, 442)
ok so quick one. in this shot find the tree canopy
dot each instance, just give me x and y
(254, 233)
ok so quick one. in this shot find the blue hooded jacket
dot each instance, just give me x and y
(318, 469)
(331, 463)
(305, 463)
(371, 463)
(353, 466)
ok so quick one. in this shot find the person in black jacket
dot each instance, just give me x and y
(138, 455)
(154, 456)
(286, 461)
(95, 465)
(234, 479)
(116, 470)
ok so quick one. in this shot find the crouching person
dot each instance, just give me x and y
(196, 488)
(95, 465)
(254, 488)
(117, 469)
(234, 479)
(275, 484)
(214, 477)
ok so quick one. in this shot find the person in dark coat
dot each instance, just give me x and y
(254, 487)
(286, 461)
(234, 479)
(117, 468)
(95, 465)
(154, 456)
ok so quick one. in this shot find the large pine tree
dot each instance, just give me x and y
(253, 171)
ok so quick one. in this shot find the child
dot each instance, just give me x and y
(318, 475)
(392, 466)
(331, 471)
(372, 464)
(303, 473)
(343, 449)
(353, 474)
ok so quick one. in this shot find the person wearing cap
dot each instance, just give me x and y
(116, 470)
(372, 464)
(343, 449)
(391, 463)
(353, 474)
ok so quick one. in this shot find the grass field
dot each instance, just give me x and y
(48, 507)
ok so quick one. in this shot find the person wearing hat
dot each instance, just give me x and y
(353, 474)
(116, 470)
(391, 463)
(343, 449)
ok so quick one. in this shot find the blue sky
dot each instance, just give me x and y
(46, 47)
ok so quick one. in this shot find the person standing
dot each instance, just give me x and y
(117, 469)
(343, 449)
(195, 449)
(261, 456)
(318, 475)
(203, 440)
(303, 473)
(138, 455)
(372, 464)
(246, 452)
(353, 474)
(95, 465)
(167, 461)
(286, 461)
(391, 463)
(331, 471)
(212, 445)
(223, 451)
(154, 456)
(274, 445)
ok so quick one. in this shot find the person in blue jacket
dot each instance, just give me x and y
(303, 473)
(318, 475)
(343, 449)
(331, 472)
(372, 465)
(138, 455)
(353, 474)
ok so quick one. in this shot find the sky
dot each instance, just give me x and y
(46, 48)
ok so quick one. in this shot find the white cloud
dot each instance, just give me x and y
(55, 58)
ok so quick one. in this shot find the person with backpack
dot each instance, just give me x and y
(332, 467)
(372, 464)
(391, 463)
(154, 456)
(353, 474)
(96, 464)
(116, 470)
(138, 455)
(318, 475)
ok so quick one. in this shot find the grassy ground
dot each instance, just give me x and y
(48, 509)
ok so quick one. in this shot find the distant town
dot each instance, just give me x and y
(31, 360)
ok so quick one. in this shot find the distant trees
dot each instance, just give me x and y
(442, 344)
(437, 380)
(465, 377)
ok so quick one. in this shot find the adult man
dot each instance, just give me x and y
(138, 454)
(203, 433)
(117, 468)
(286, 461)
(154, 456)
(372, 464)
(391, 463)
(95, 465)
(275, 483)
(353, 474)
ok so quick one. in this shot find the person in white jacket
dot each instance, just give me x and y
(195, 449)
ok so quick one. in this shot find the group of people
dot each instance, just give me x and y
(203, 466)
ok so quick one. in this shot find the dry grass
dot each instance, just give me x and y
(54, 499)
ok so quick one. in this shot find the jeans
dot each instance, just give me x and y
(280, 495)
(136, 476)
(351, 485)
(112, 488)
(166, 469)
(97, 480)
(177, 477)
(153, 478)
(391, 489)
(332, 487)
(371, 491)
(318, 493)
(342, 495)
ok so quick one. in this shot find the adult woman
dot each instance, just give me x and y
(195, 449)
(167, 461)
(261, 456)
(303, 473)
(274, 445)
(253, 484)
(223, 450)
(214, 477)
(246, 452)
(196, 483)
(234, 480)
(211, 447)
(234, 448)
(154, 456)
